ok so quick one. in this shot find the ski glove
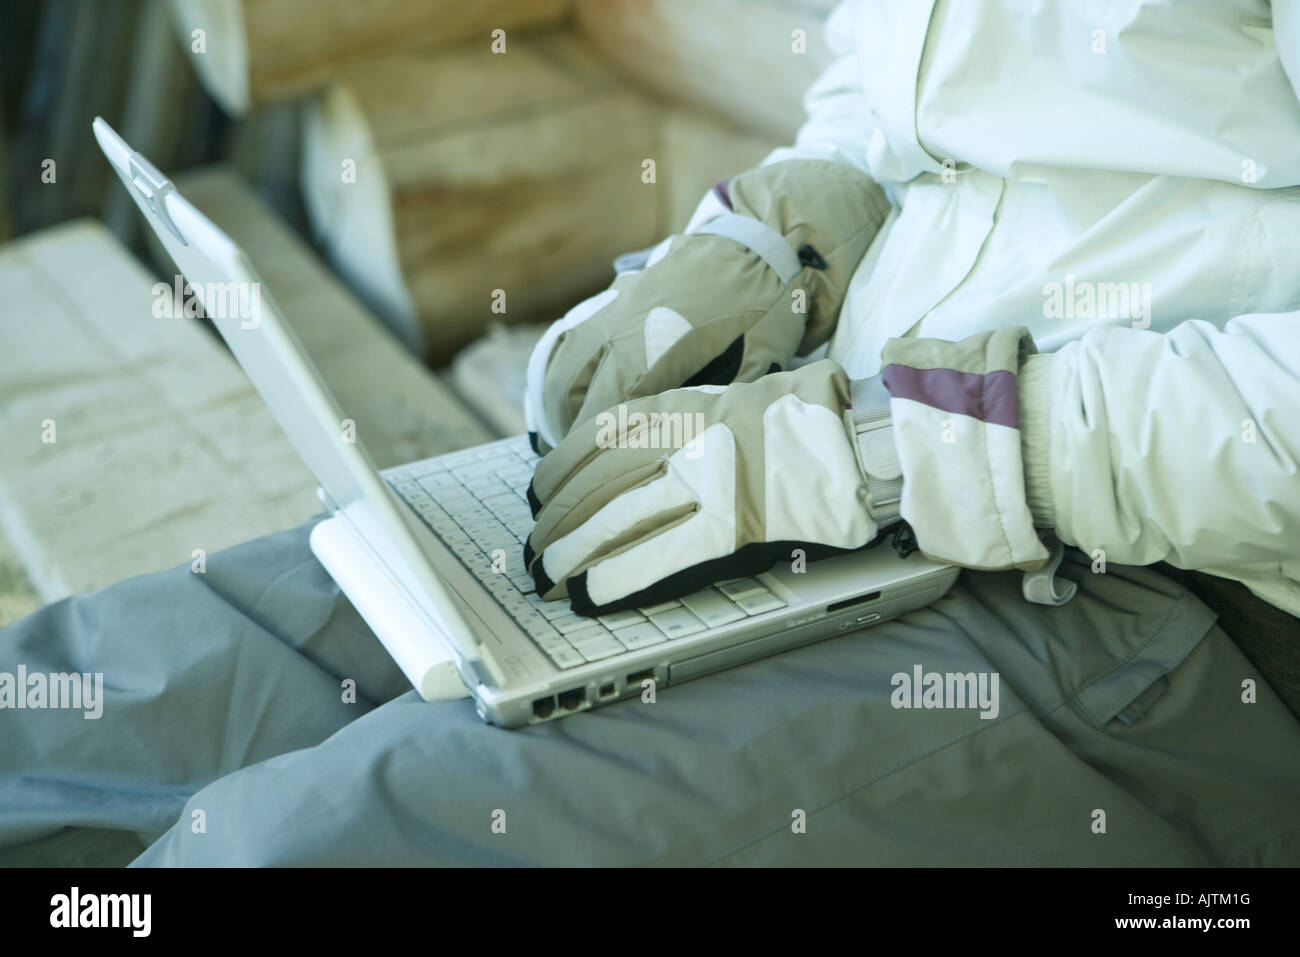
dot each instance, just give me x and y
(736, 297)
(670, 493)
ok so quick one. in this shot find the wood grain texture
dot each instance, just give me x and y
(261, 51)
(476, 172)
(736, 58)
(160, 444)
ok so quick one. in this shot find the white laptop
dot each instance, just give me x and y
(430, 553)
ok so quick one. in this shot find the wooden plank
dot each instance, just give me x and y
(738, 58)
(694, 152)
(160, 446)
(263, 51)
(477, 172)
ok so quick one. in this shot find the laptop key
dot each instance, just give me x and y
(542, 633)
(738, 587)
(518, 607)
(759, 603)
(437, 481)
(571, 623)
(473, 516)
(550, 609)
(649, 610)
(455, 538)
(501, 587)
(490, 488)
(467, 551)
(712, 608)
(593, 632)
(441, 521)
(453, 499)
(426, 467)
(481, 568)
(566, 658)
(520, 528)
(527, 618)
(548, 643)
(596, 649)
(487, 467)
(490, 536)
(620, 619)
(677, 623)
(641, 635)
(499, 500)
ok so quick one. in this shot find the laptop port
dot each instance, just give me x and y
(636, 677)
(543, 707)
(850, 602)
(574, 698)
(607, 689)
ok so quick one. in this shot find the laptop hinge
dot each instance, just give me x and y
(153, 188)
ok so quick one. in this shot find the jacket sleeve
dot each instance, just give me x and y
(1182, 446)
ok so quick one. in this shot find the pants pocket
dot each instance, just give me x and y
(1132, 686)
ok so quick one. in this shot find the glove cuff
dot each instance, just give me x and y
(1036, 436)
(957, 415)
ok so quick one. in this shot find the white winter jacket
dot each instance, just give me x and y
(1122, 178)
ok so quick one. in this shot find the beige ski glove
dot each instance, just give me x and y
(737, 297)
(664, 495)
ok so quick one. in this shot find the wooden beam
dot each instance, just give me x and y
(159, 444)
(434, 180)
(740, 59)
(130, 441)
(260, 51)
(694, 152)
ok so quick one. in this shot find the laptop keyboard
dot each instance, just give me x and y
(476, 503)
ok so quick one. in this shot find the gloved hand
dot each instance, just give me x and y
(737, 297)
(673, 492)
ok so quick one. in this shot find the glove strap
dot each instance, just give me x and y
(766, 242)
(873, 434)
(1040, 586)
